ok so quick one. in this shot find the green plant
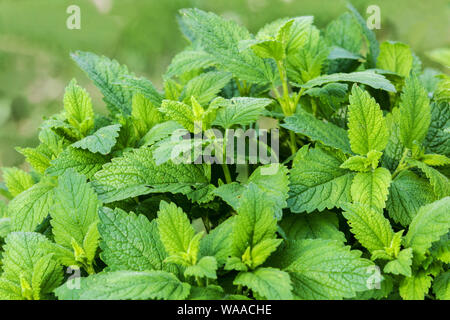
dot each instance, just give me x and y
(356, 205)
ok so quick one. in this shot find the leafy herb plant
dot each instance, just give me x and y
(355, 207)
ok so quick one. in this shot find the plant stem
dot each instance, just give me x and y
(293, 142)
(401, 164)
(226, 172)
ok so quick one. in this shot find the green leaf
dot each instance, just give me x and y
(159, 132)
(371, 188)
(16, 180)
(218, 243)
(317, 130)
(255, 221)
(441, 286)
(402, 264)
(438, 139)
(323, 269)
(130, 242)
(78, 107)
(367, 128)
(367, 77)
(439, 182)
(29, 208)
(270, 283)
(36, 158)
(430, 223)
(127, 285)
(415, 114)
(135, 173)
(240, 110)
(27, 262)
(415, 287)
(105, 73)
(363, 163)
(82, 161)
(265, 49)
(211, 292)
(141, 86)
(144, 113)
(369, 226)
(179, 112)
(220, 38)
(317, 181)
(317, 225)
(205, 87)
(435, 160)
(188, 60)
(395, 57)
(74, 210)
(102, 141)
(407, 194)
(206, 267)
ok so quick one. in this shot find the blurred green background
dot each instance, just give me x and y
(35, 44)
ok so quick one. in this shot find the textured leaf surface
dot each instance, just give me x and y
(402, 264)
(206, 86)
(317, 181)
(270, 283)
(371, 188)
(127, 285)
(439, 182)
(218, 243)
(101, 141)
(415, 287)
(78, 107)
(367, 128)
(395, 57)
(318, 130)
(188, 60)
(438, 139)
(441, 286)
(17, 180)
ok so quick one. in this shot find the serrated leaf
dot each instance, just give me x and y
(205, 268)
(127, 285)
(105, 73)
(218, 242)
(415, 287)
(270, 283)
(101, 141)
(415, 114)
(441, 286)
(82, 161)
(317, 225)
(29, 208)
(438, 139)
(205, 87)
(439, 182)
(135, 173)
(369, 226)
(130, 242)
(371, 188)
(369, 78)
(407, 194)
(395, 57)
(16, 180)
(435, 160)
(317, 130)
(239, 110)
(367, 128)
(144, 113)
(219, 38)
(401, 265)
(188, 60)
(141, 86)
(323, 269)
(159, 132)
(430, 223)
(317, 181)
(78, 107)
(361, 163)
(36, 158)
(179, 112)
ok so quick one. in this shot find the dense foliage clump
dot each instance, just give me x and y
(356, 204)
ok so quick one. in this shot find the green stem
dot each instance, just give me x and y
(293, 142)
(401, 164)
(90, 269)
(226, 172)
(314, 107)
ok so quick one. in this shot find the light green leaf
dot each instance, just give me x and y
(369, 226)
(415, 113)
(317, 181)
(179, 112)
(239, 110)
(367, 128)
(205, 268)
(361, 163)
(407, 194)
(415, 287)
(317, 130)
(395, 57)
(317, 225)
(144, 113)
(188, 60)
(130, 242)
(82, 161)
(16, 180)
(141, 86)
(430, 223)
(371, 188)
(102, 141)
(127, 285)
(205, 87)
(439, 182)
(29, 208)
(435, 160)
(369, 78)
(218, 243)
(441, 286)
(402, 264)
(36, 157)
(78, 107)
(270, 283)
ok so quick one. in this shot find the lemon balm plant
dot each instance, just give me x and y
(355, 207)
